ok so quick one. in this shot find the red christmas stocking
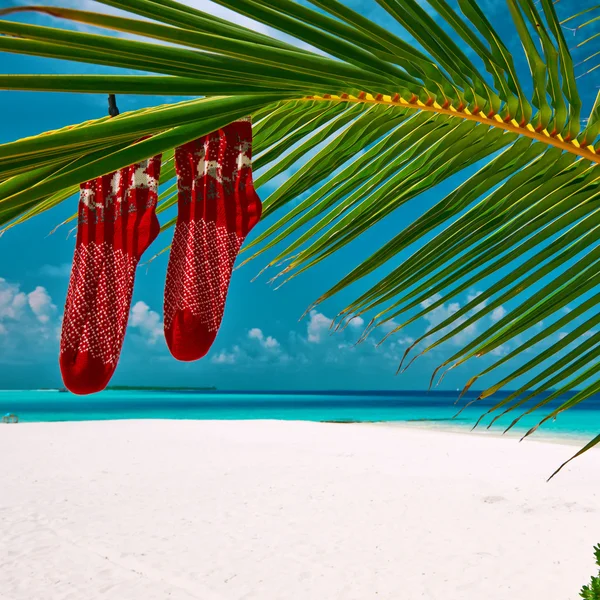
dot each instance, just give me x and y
(117, 222)
(217, 208)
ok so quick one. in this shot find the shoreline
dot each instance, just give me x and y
(567, 439)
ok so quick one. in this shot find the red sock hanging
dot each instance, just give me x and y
(217, 208)
(117, 222)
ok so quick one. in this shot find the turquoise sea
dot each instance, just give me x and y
(428, 409)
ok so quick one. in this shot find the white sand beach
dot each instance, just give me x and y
(268, 510)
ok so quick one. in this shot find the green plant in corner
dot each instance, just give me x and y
(373, 121)
(592, 591)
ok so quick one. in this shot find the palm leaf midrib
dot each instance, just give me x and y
(527, 130)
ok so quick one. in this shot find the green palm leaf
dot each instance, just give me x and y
(368, 121)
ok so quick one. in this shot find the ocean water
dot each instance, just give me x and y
(423, 409)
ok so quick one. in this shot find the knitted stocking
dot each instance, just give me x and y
(117, 222)
(217, 208)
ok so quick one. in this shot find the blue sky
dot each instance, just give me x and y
(262, 344)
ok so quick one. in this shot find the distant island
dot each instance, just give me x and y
(151, 388)
(147, 388)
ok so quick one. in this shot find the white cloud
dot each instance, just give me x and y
(12, 300)
(41, 305)
(14, 303)
(204, 5)
(444, 311)
(439, 313)
(267, 342)
(357, 322)
(255, 348)
(270, 342)
(146, 321)
(498, 313)
(230, 15)
(473, 295)
(26, 319)
(226, 358)
(315, 346)
(389, 326)
(234, 17)
(318, 327)
(501, 350)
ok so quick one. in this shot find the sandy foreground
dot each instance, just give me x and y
(273, 510)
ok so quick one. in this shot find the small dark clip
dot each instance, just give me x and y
(113, 111)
